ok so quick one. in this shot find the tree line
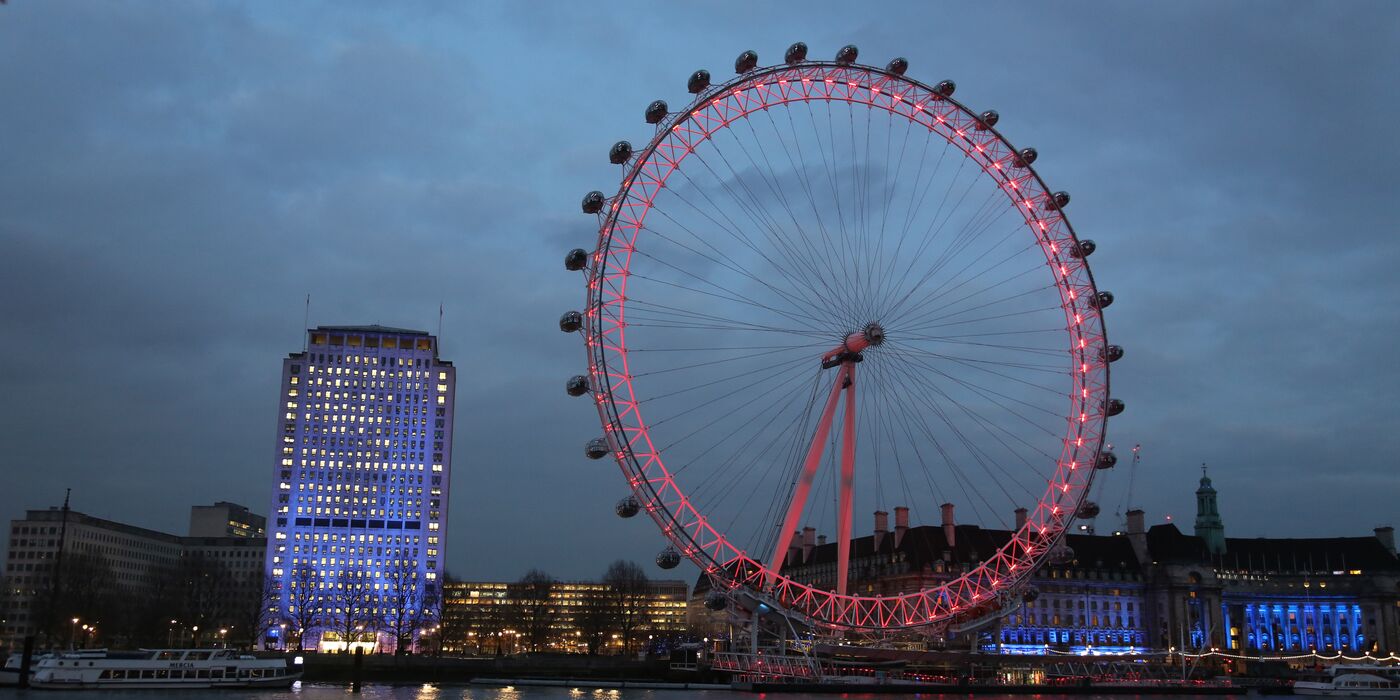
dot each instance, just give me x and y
(538, 613)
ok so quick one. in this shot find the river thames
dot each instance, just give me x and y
(312, 691)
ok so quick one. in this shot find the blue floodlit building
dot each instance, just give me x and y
(1142, 589)
(358, 522)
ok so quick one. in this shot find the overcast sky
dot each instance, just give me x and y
(175, 178)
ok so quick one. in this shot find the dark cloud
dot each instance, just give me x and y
(175, 178)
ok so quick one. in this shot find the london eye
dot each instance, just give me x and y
(823, 288)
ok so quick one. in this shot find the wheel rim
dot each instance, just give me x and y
(624, 230)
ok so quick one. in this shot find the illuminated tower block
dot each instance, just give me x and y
(360, 486)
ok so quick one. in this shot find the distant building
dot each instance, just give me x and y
(1143, 589)
(360, 484)
(490, 617)
(224, 519)
(127, 581)
(1273, 595)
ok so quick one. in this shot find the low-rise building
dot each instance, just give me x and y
(493, 617)
(72, 577)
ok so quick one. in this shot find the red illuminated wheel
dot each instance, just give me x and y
(824, 288)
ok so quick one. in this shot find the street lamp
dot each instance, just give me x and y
(72, 633)
(194, 636)
(282, 635)
(223, 637)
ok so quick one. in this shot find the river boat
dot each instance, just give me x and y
(163, 668)
(1353, 682)
(9, 673)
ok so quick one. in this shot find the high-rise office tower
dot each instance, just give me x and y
(357, 532)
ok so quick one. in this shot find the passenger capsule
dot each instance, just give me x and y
(1026, 157)
(571, 322)
(1106, 460)
(847, 55)
(1056, 201)
(656, 111)
(577, 385)
(1089, 510)
(945, 88)
(669, 558)
(1112, 353)
(715, 600)
(699, 80)
(593, 201)
(1062, 555)
(628, 507)
(1030, 594)
(1102, 300)
(795, 54)
(898, 65)
(1083, 249)
(575, 259)
(620, 153)
(988, 119)
(746, 62)
(597, 448)
(1113, 407)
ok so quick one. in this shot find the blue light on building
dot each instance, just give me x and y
(364, 448)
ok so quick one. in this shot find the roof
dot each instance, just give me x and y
(376, 328)
(1308, 555)
(1275, 554)
(924, 544)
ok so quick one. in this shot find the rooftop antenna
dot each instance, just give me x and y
(439, 333)
(306, 323)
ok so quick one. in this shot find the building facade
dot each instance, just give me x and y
(125, 584)
(224, 519)
(496, 617)
(1143, 589)
(361, 481)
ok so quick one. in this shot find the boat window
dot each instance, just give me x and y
(162, 673)
(197, 655)
(216, 673)
(104, 675)
(148, 673)
(168, 656)
(203, 673)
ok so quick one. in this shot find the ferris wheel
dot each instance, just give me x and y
(824, 286)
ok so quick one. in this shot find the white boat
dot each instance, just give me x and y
(163, 668)
(1354, 682)
(9, 673)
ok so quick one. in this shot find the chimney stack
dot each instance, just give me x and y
(950, 532)
(1137, 534)
(821, 540)
(882, 527)
(809, 542)
(1387, 537)
(901, 524)
(1020, 518)
(1136, 522)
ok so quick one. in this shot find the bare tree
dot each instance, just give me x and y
(628, 585)
(204, 600)
(403, 602)
(353, 604)
(451, 621)
(304, 602)
(428, 615)
(533, 611)
(257, 613)
(594, 618)
(84, 592)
